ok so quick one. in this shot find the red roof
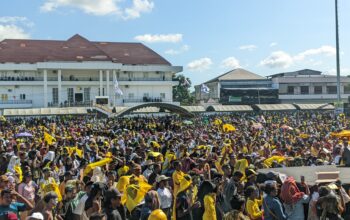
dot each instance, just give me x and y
(77, 48)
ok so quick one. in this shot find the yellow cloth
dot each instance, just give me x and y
(135, 194)
(253, 210)
(52, 187)
(48, 138)
(279, 159)
(92, 166)
(123, 171)
(155, 144)
(122, 184)
(18, 170)
(177, 177)
(228, 127)
(343, 133)
(217, 122)
(209, 207)
(2, 118)
(241, 165)
(157, 214)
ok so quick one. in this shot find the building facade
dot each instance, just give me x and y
(45, 73)
(238, 87)
(310, 86)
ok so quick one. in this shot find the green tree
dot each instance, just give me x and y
(181, 92)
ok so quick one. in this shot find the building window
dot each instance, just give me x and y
(87, 94)
(145, 75)
(22, 96)
(318, 89)
(162, 95)
(331, 90)
(290, 90)
(347, 89)
(54, 95)
(304, 89)
(4, 97)
(131, 95)
(70, 93)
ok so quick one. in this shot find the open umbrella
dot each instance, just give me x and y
(24, 134)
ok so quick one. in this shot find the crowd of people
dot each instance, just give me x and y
(167, 167)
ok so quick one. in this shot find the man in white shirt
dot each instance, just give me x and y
(165, 195)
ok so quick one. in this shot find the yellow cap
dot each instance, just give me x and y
(157, 214)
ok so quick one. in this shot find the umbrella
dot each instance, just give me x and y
(24, 134)
(187, 122)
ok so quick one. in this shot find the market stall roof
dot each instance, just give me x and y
(275, 107)
(194, 108)
(322, 106)
(229, 108)
(45, 111)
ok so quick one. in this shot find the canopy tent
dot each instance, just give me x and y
(229, 108)
(45, 111)
(275, 107)
(323, 106)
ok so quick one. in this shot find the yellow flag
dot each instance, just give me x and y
(135, 194)
(268, 162)
(48, 138)
(92, 166)
(217, 122)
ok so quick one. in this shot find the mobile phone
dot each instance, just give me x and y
(302, 179)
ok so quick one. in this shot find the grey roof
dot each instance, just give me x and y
(324, 106)
(230, 108)
(275, 107)
(297, 73)
(237, 74)
(45, 111)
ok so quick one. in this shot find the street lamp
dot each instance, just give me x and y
(337, 50)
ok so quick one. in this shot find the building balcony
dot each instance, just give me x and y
(16, 104)
(71, 104)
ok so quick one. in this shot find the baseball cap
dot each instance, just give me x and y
(36, 215)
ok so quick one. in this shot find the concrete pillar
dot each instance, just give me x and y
(114, 95)
(101, 82)
(107, 84)
(45, 88)
(59, 84)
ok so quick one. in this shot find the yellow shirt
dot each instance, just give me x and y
(253, 210)
(209, 207)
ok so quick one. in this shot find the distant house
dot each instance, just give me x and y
(310, 86)
(239, 86)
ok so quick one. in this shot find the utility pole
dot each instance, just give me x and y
(337, 51)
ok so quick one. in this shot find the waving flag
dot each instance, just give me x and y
(117, 90)
(205, 88)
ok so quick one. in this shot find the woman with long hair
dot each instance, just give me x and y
(151, 203)
(27, 189)
(113, 207)
(93, 202)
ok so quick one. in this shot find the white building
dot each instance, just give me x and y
(310, 86)
(45, 73)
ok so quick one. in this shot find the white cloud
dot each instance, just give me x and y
(102, 7)
(343, 71)
(282, 59)
(273, 44)
(200, 64)
(159, 38)
(277, 59)
(14, 28)
(324, 50)
(249, 47)
(138, 7)
(231, 62)
(183, 49)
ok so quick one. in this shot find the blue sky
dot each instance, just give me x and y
(206, 37)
